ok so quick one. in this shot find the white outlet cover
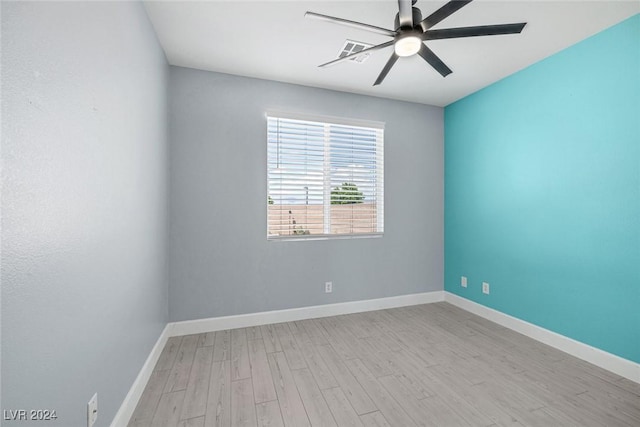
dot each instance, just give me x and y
(463, 281)
(485, 288)
(92, 410)
(328, 287)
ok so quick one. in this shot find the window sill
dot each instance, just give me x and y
(324, 237)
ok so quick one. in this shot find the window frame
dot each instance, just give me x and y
(379, 174)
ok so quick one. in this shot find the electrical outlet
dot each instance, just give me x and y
(485, 288)
(328, 287)
(463, 281)
(92, 410)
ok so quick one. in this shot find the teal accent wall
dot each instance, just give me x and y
(542, 192)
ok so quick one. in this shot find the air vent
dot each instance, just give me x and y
(350, 47)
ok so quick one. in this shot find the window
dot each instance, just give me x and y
(325, 178)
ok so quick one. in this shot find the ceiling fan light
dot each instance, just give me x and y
(407, 46)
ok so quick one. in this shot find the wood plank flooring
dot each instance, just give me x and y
(426, 365)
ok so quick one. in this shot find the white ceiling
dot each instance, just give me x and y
(272, 40)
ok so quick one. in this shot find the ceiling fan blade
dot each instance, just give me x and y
(352, 24)
(347, 57)
(442, 13)
(386, 69)
(433, 60)
(483, 30)
(405, 15)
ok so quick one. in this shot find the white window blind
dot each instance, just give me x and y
(324, 179)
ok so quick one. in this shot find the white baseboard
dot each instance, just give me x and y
(264, 318)
(611, 362)
(130, 402)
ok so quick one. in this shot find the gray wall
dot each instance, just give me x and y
(84, 204)
(220, 260)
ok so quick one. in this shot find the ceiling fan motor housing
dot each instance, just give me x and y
(417, 17)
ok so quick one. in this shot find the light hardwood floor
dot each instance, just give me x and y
(426, 365)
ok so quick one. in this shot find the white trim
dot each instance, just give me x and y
(333, 120)
(130, 402)
(279, 238)
(267, 317)
(616, 364)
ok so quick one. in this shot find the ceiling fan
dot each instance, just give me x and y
(411, 31)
